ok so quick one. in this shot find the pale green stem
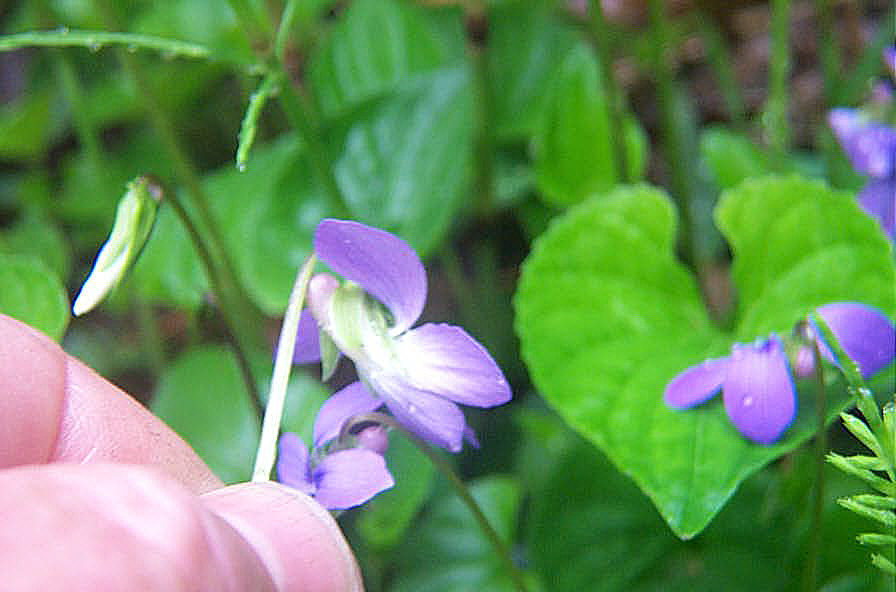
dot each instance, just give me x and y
(445, 468)
(95, 40)
(776, 120)
(282, 39)
(286, 345)
(821, 444)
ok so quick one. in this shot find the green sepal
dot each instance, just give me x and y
(329, 356)
(134, 220)
(876, 538)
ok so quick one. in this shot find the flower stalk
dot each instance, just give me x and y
(270, 427)
(459, 488)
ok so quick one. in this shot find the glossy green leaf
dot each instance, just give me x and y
(33, 294)
(387, 517)
(732, 157)
(376, 46)
(202, 396)
(404, 165)
(525, 44)
(449, 553)
(607, 316)
(574, 155)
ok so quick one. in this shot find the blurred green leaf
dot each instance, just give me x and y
(32, 293)
(525, 44)
(574, 147)
(38, 236)
(202, 396)
(607, 317)
(404, 164)
(732, 157)
(28, 125)
(377, 46)
(601, 535)
(387, 517)
(448, 552)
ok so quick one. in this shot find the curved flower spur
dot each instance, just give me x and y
(420, 374)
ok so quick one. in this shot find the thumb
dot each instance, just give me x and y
(296, 539)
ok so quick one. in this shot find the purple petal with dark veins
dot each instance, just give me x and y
(869, 145)
(345, 403)
(878, 198)
(445, 360)
(383, 264)
(758, 391)
(435, 419)
(292, 463)
(348, 478)
(865, 334)
(696, 384)
(307, 340)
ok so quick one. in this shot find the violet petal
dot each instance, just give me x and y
(878, 198)
(759, 393)
(697, 384)
(385, 265)
(445, 360)
(348, 478)
(307, 349)
(435, 419)
(865, 334)
(292, 463)
(870, 146)
(345, 403)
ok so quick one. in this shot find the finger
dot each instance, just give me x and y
(124, 527)
(297, 539)
(54, 408)
(107, 527)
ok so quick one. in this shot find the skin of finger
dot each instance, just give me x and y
(54, 408)
(116, 527)
(297, 539)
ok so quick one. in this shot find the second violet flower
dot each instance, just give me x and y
(420, 374)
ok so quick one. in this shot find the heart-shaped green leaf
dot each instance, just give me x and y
(607, 316)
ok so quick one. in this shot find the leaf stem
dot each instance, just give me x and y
(273, 414)
(812, 567)
(600, 36)
(776, 119)
(95, 40)
(828, 50)
(459, 488)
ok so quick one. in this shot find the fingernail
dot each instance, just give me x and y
(295, 537)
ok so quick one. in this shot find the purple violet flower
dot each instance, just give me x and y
(758, 391)
(338, 480)
(871, 147)
(420, 374)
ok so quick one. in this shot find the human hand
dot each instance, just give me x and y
(98, 494)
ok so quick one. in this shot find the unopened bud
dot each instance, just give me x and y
(375, 438)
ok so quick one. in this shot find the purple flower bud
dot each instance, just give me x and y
(375, 438)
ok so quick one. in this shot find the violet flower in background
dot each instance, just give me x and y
(338, 480)
(420, 374)
(871, 147)
(864, 333)
(758, 389)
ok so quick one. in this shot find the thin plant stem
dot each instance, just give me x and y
(281, 41)
(720, 61)
(95, 40)
(821, 444)
(86, 132)
(776, 119)
(252, 17)
(273, 413)
(459, 488)
(671, 141)
(297, 112)
(600, 36)
(483, 104)
(827, 48)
